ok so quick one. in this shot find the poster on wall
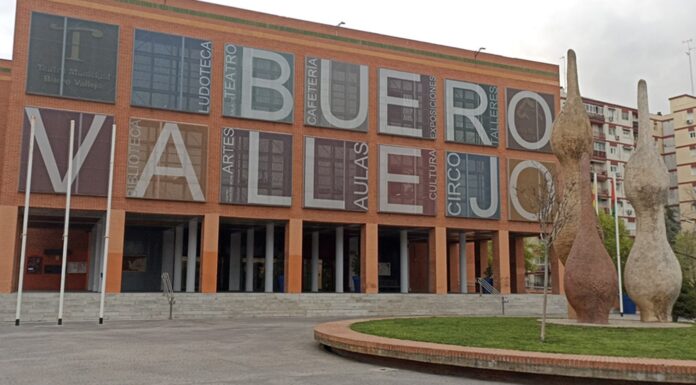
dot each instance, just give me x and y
(134, 263)
(529, 120)
(255, 167)
(166, 160)
(407, 180)
(407, 104)
(258, 84)
(525, 178)
(471, 112)
(171, 72)
(91, 151)
(72, 58)
(336, 94)
(335, 174)
(472, 186)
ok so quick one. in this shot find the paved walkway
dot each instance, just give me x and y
(248, 351)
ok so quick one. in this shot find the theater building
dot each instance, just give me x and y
(257, 153)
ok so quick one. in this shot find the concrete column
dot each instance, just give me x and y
(117, 230)
(293, 256)
(235, 262)
(339, 259)
(191, 255)
(463, 276)
(268, 284)
(437, 260)
(315, 262)
(178, 254)
(369, 249)
(168, 252)
(10, 229)
(249, 273)
(521, 271)
(403, 254)
(501, 261)
(209, 253)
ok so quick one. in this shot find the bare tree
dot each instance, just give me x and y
(550, 206)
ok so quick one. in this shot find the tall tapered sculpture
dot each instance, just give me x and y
(653, 276)
(590, 276)
(571, 138)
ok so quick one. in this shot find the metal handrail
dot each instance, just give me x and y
(484, 285)
(168, 291)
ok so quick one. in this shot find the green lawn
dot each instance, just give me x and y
(523, 334)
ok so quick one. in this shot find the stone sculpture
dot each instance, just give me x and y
(653, 276)
(590, 276)
(571, 138)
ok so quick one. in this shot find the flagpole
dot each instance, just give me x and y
(105, 259)
(618, 248)
(596, 193)
(25, 220)
(66, 222)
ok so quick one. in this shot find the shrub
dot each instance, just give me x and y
(685, 307)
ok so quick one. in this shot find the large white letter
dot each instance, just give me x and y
(490, 211)
(60, 184)
(249, 82)
(170, 130)
(385, 100)
(310, 200)
(253, 177)
(385, 177)
(469, 113)
(326, 98)
(513, 126)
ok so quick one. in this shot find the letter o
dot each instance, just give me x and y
(513, 127)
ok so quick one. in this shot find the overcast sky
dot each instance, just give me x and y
(617, 42)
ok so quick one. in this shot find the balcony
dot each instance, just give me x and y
(601, 175)
(599, 135)
(599, 155)
(597, 117)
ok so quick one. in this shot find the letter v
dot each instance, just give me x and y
(60, 183)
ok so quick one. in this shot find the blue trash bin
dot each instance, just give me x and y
(629, 306)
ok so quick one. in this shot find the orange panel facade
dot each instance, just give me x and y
(230, 115)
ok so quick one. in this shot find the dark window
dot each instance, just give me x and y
(72, 58)
(170, 72)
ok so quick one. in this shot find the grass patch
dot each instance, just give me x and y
(523, 334)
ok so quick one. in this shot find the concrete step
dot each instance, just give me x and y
(43, 307)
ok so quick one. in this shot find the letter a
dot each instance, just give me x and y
(170, 130)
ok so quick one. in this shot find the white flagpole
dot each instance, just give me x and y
(618, 248)
(66, 222)
(596, 193)
(25, 220)
(105, 259)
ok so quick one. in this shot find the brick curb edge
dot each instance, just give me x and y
(338, 335)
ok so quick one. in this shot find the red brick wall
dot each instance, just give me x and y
(41, 239)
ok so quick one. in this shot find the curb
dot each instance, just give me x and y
(338, 335)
